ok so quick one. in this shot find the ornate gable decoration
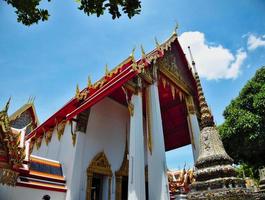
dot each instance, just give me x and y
(169, 62)
(175, 73)
(100, 165)
(25, 117)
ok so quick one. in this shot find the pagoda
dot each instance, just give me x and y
(215, 175)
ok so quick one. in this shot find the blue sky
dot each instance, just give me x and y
(48, 60)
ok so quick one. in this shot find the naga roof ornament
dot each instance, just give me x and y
(14, 153)
(143, 52)
(4, 120)
(176, 29)
(157, 43)
(89, 82)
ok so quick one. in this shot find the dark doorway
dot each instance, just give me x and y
(146, 190)
(124, 188)
(97, 187)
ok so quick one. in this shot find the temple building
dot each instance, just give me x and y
(109, 141)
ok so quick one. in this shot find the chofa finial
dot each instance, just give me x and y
(77, 91)
(133, 51)
(106, 69)
(142, 50)
(89, 83)
(31, 100)
(7, 104)
(157, 44)
(176, 29)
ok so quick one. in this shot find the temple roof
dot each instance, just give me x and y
(106, 86)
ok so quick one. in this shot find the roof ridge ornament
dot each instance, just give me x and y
(31, 100)
(132, 53)
(106, 70)
(89, 83)
(143, 52)
(176, 29)
(77, 91)
(7, 105)
(157, 43)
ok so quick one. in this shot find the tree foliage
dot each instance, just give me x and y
(245, 170)
(243, 132)
(28, 11)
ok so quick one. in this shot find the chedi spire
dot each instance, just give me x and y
(215, 176)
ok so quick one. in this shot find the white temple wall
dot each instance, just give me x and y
(106, 131)
(23, 193)
(74, 181)
(53, 149)
(62, 151)
(42, 151)
(145, 143)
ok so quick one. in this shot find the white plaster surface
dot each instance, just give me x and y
(157, 170)
(106, 131)
(23, 193)
(136, 182)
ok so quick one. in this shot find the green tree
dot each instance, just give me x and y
(243, 132)
(28, 11)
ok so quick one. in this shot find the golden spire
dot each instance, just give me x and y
(106, 69)
(157, 44)
(192, 61)
(77, 91)
(206, 115)
(89, 83)
(175, 29)
(4, 119)
(143, 52)
(133, 51)
(7, 104)
(213, 166)
(31, 100)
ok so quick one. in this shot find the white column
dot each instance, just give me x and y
(76, 174)
(194, 129)
(157, 169)
(136, 182)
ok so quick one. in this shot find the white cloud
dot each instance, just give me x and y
(255, 42)
(212, 61)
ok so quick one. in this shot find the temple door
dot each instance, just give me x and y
(99, 176)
